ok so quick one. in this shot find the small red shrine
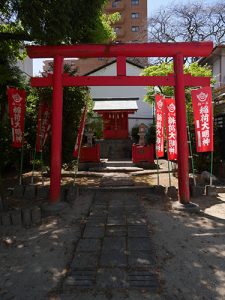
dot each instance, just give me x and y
(115, 117)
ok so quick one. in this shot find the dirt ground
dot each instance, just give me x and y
(190, 252)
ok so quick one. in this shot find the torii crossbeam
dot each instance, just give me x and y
(178, 51)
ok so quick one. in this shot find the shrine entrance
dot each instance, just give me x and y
(178, 51)
(115, 117)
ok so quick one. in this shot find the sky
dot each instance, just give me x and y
(153, 5)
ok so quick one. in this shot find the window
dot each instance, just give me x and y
(115, 3)
(134, 2)
(135, 28)
(117, 29)
(135, 15)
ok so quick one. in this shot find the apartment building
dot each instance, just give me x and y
(131, 28)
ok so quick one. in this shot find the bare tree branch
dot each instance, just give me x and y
(194, 21)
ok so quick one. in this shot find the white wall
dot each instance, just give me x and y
(223, 66)
(144, 109)
(26, 66)
(216, 71)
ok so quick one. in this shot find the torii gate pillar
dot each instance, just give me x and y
(182, 141)
(56, 141)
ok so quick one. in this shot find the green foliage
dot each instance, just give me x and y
(74, 100)
(150, 136)
(57, 22)
(45, 22)
(134, 134)
(96, 124)
(167, 68)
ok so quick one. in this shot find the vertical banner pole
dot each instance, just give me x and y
(212, 154)
(56, 142)
(34, 158)
(42, 168)
(191, 152)
(157, 169)
(169, 172)
(21, 161)
(79, 139)
(211, 169)
(182, 145)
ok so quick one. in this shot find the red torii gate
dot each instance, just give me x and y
(120, 51)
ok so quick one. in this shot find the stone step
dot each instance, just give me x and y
(119, 163)
(116, 169)
(220, 189)
(115, 179)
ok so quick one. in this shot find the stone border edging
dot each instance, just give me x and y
(26, 217)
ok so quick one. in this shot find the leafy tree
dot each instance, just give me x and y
(56, 22)
(202, 161)
(45, 22)
(164, 69)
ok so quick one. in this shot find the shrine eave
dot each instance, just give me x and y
(115, 105)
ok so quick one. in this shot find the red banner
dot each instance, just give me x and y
(43, 126)
(203, 118)
(80, 133)
(171, 128)
(17, 107)
(159, 110)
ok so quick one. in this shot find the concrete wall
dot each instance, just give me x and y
(144, 113)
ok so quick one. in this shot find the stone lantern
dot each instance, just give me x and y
(89, 136)
(141, 133)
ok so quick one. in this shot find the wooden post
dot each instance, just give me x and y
(182, 141)
(56, 142)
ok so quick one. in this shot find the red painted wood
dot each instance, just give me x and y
(120, 81)
(121, 65)
(56, 141)
(90, 154)
(182, 142)
(142, 153)
(188, 49)
(115, 134)
(114, 127)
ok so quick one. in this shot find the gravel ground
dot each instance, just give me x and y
(191, 249)
(190, 253)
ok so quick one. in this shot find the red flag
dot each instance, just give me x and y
(44, 125)
(171, 128)
(17, 107)
(203, 118)
(159, 109)
(80, 133)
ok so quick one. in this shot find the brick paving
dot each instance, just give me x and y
(115, 250)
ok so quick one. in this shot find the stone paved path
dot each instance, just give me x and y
(115, 250)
